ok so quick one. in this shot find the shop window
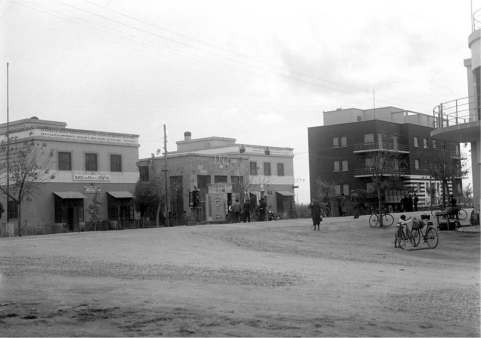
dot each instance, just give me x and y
(116, 163)
(280, 169)
(12, 211)
(91, 162)
(267, 169)
(253, 168)
(64, 160)
(144, 173)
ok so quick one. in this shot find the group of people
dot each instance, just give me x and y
(409, 203)
(249, 210)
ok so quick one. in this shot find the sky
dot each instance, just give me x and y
(258, 71)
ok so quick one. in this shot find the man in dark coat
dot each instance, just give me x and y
(315, 214)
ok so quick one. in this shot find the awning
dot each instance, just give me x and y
(66, 195)
(120, 194)
(285, 193)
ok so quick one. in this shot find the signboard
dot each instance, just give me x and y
(74, 136)
(220, 188)
(90, 177)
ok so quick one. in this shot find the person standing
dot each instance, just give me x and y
(315, 214)
(415, 201)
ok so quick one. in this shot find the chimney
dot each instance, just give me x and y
(187, 136)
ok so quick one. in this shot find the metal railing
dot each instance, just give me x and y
(375, 172)
(455, 112)
(381, 146)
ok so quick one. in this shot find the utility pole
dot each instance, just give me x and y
(8, 146)
(166, 206)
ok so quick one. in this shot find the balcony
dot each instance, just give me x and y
(369, 172)
(457, 120)
(381, 146)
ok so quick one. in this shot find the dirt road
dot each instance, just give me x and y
(257, 279)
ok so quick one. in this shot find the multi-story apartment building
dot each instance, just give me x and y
(79, 170)
(344, 153)
(224, 171)
(458, 120)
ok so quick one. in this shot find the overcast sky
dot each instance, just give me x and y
(259, 71)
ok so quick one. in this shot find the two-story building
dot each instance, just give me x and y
(224, 171)
(346, 153)
(81, 172)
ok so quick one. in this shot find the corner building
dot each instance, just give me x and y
(223, 171)
(341, 153)
(85, 167)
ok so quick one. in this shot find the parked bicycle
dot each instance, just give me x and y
(380, 219)
(422, 228)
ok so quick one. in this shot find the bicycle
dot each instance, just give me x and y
(376, 218)
(429, 235)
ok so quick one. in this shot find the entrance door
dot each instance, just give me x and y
(70, 218)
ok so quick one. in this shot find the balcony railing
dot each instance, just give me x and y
(455, 112)
(368, 171)
(381, 146)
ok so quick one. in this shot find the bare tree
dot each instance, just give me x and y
(28, 166)
(384, 169)
(446, 169)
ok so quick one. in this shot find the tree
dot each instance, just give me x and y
(28, 166)
(149, 197)
(384, 169)
(443, 168)
(93, 210)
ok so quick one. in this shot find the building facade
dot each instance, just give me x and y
(223, 172)
(458, 120)
(346, 152)
(81, 174)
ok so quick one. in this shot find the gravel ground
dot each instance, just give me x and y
(257, 279)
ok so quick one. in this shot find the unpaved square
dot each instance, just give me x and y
(252, 279)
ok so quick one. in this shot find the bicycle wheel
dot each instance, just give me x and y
(432, 238)
(373, 221)
(416, 237)
(387, 220)
(462, 214)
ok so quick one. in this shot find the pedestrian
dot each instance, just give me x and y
(315, 214)
(247, 211)
(340, 205)
(415, 201)
(409, 203)
(1, 209)
(236, 209)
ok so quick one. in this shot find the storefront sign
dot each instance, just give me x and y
(91, 177)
